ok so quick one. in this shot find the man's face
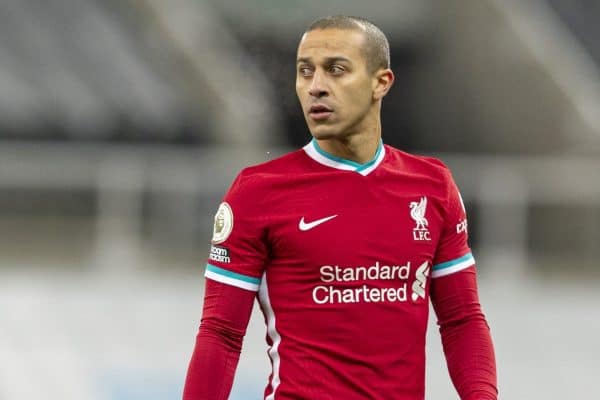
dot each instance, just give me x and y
(333, 83)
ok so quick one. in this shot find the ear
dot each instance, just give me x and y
(382, 83)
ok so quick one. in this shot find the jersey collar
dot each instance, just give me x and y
(314, 151)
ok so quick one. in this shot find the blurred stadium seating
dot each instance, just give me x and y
(123, 122)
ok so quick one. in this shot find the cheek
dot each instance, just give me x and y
(300, 87)
(300, 96)
(359, 96)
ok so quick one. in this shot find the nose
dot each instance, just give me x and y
(318, 87)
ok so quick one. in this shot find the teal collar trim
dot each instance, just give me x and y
(314, 151)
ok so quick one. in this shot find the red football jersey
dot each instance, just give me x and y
(342, 256)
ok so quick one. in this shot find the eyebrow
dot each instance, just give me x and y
(328, 60)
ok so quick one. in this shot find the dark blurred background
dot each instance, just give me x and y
(122, 123)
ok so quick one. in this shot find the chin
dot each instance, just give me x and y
(324, 132)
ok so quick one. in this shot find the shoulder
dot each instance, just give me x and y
(264, 175)
(282, 165)
(419, 164)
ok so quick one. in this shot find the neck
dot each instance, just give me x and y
(359, 147)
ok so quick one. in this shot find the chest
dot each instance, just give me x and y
(357, 222)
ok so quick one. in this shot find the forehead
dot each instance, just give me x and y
(326, 43)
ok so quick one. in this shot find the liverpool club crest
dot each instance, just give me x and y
(417, 212)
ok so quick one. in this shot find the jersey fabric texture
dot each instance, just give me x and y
(343, 257)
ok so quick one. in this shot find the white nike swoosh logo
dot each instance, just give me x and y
(306, 226)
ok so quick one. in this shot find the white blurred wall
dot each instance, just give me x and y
(65, 336)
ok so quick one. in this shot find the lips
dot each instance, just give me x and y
(319, 112)
(319, 108)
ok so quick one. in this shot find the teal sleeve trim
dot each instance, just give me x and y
(452, 263)
(229, 274)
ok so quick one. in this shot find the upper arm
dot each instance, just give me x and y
(453, 253)
(238, 249)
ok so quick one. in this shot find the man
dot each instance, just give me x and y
(345, 241)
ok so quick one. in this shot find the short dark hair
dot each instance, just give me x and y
(376, 48)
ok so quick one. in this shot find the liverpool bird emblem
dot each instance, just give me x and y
(417, 212)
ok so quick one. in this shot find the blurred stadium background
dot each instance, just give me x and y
(123, 122)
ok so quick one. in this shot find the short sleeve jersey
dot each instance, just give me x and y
(342, 256)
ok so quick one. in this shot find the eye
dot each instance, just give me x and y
(336, 69)
(304, 70)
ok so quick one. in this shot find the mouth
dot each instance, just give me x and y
(319, 112)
